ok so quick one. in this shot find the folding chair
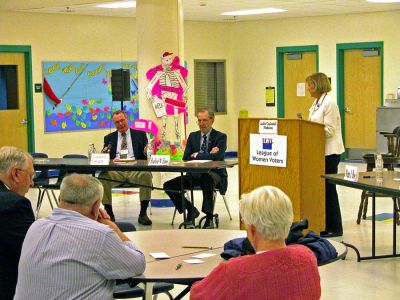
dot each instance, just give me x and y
(215, 216)
(51, 187)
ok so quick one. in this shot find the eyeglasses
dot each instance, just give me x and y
(26, 172)
(202, 121)
(120, 121)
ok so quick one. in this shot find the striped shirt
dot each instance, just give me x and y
(69, 256)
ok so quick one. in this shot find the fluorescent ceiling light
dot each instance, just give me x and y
(384, 1)
(121, 4)
(253, 12)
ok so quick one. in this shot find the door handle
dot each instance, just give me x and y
(346, 109)
(24, 122)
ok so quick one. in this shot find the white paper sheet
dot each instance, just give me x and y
(159, 255)
(198, 161)
(203, 255)
(193, 261)
(301, 89)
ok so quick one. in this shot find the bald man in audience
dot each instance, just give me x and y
(77, 250)
(16, 215)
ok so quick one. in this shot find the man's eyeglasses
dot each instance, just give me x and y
(120, 121)
(26, 172)
(202, 121)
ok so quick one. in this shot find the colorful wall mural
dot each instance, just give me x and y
(77, 95)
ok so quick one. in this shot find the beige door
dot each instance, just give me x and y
(13, 116)
(362, 93)
(296, 71)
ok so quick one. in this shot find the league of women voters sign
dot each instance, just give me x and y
(268, 150)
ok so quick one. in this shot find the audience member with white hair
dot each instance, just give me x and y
(16, 215)
(77, 249)
(276, 271)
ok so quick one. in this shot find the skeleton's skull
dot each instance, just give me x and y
(167, 58)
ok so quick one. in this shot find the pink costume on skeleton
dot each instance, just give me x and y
(158, 88)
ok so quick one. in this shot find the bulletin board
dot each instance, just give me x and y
(77, 95)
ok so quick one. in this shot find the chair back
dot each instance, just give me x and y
(125, 226)
(39, 155)
(63, 173)
(393, 142)
(41, 177)
(75, 156)
(396, 150)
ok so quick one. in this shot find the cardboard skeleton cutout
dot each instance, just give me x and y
(167, 90)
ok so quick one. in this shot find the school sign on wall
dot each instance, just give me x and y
(268, 150)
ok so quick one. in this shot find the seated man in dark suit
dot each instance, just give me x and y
(126, 143)
(16, 215)
(205, 144)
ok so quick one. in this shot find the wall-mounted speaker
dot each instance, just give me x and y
(120, 85)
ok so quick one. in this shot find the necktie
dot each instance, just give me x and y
(124, 145)
(203, 148)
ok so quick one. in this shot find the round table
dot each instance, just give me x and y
(181, 245)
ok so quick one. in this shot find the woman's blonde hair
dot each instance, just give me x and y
(269, 210)
(320, 81)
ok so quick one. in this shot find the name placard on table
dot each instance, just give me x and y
(100, 159)
(159, 160)
(351, 173)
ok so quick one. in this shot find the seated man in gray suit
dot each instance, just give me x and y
(126, 143)
(205, 144)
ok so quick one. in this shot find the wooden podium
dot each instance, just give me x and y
(301, 178)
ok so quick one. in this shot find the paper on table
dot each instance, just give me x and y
(203, 255)
(159, 255)
(397, 179)
(193, 261)
(124, 159)
(198, 161)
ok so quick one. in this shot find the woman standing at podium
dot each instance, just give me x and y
(324, 110)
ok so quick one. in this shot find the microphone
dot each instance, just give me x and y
(299, 116)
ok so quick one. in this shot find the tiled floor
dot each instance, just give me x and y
(377, 279)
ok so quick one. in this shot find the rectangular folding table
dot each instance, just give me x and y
(367, 181)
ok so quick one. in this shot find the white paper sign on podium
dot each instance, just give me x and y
(159, 160)
(268, 150)
(100, 159)
(268, 126)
